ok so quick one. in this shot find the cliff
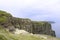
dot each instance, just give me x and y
(36, 27)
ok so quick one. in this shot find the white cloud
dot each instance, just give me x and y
(50, 7)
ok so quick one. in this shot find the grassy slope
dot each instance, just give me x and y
(5, 35)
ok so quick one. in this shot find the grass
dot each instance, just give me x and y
(6, 35)
(4, 16)
(3, 19)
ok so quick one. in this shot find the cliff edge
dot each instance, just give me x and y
(36, 27)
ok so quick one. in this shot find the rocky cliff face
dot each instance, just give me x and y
(43, 28)
(35, 27)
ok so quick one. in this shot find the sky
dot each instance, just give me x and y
(39, 10)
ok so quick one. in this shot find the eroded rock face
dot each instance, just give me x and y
(35, 27)
(43, 28)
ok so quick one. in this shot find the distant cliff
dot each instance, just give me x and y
(36, 27)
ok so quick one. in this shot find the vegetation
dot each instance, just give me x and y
(6, 35)
(4, 16)
(3, 13)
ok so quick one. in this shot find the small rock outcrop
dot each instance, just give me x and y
(35, 27)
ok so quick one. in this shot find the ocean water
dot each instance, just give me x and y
(56, 28)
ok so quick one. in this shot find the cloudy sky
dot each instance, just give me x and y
(41, 10)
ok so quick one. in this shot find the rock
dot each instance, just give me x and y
(21, 32)
(43, 28)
